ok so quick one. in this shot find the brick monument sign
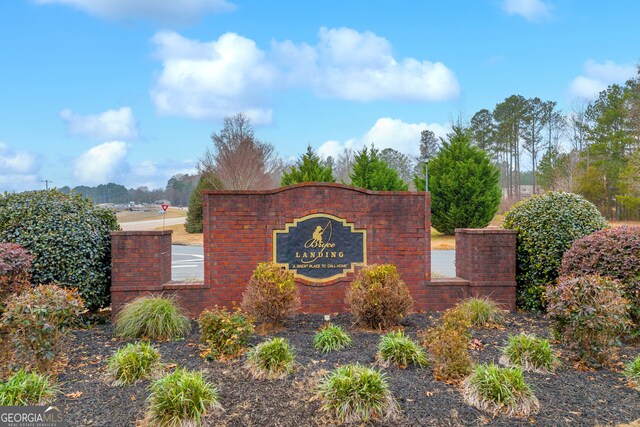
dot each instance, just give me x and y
(323, 233)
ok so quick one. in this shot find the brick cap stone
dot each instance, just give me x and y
(312, 184)
(142, 233)
(488, 230)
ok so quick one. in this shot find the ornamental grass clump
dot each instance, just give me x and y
(448, 346)
(271, 359)
(632, 372)
(589, 315)
(133, 362)
(500, 391)
(182, 398)
(225, 333)
(378, 298)
(271, 295)
(26, 388)
(38, 319)
(398, 349)
(156, 318)
(482, 312)
(530, 353)
(356, 394)
(331, 338)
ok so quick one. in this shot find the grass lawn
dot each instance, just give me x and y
(133, 216)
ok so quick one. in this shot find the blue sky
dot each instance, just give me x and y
(129, 91)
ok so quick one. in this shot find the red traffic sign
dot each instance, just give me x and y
(165, 207)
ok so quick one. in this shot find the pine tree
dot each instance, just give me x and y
(309, 168)
(373, 173)
(207, 181)
(463, 184)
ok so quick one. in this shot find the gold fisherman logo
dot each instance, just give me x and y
(318, 246)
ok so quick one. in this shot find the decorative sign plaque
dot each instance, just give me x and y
(320, 247)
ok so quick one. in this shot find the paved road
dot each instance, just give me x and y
(151, 224)
(187, 263)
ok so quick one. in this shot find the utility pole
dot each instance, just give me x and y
(46, 183)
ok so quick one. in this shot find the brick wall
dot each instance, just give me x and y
(238, 231)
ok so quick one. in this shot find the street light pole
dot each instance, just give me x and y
(426, 172)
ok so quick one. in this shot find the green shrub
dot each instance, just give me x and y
(530, 353)
(378, 298)
(547, 226)
(271, 359)
(69, 238)
(15, 263)
(157, 318)
(207, 181)
(482, 312)
(632, 372)
(309, 168)
(181, 398)
(448, 345)
(588, 314)
(331, 338)
(357, 394)
(38, 318)
(133, 362)
(271, 295)
(372, 172)
(464, 185)
(613, 252)
(398, 349)
(23, 389)
(225, 333)
(500, 391)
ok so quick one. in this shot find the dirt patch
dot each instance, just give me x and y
(568, 397)
(181, 237)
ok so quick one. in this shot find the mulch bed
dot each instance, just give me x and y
(568, 397)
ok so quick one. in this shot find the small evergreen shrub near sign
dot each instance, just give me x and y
(378, 298)
(547, 226)
(500, 391)
(398, 349)
(133, 362)
(589, 314)
(157, 318)
(15, 263)
(271, 295)
(271, 359)
(530, 353)
(448, 346)
(632, 372)
(615, 253)
(37, 319)
(69, 238)
(357, 394)
(224, 332)
(182, 398)
(331, 338)
(482, 312)
(26, 388)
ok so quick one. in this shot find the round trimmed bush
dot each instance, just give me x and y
(378, 298)
(398, 349)
(547, 226)
(68, 236)
(158, 318)
(613, 252)
(182, 398)
(226, 333)
(271, 359)
(133, 362)
(331, 338)
(589, 314)
(271, 295)
(356, 394)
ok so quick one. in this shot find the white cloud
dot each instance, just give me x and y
(531, 10)
(111, 124)
(101, 164)
(18, 169)
(167, 11)
(386, 133)
(597, 76)
(210, 80)
(152, 174)
(213, 79)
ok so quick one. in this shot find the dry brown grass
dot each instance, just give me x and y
(133, 216)
(181, 237)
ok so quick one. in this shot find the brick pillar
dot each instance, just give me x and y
(487, 259)
(140, 263)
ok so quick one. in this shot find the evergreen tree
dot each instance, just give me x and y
(309, 168)
(463, 184)
(207, 181)
(373, 173)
